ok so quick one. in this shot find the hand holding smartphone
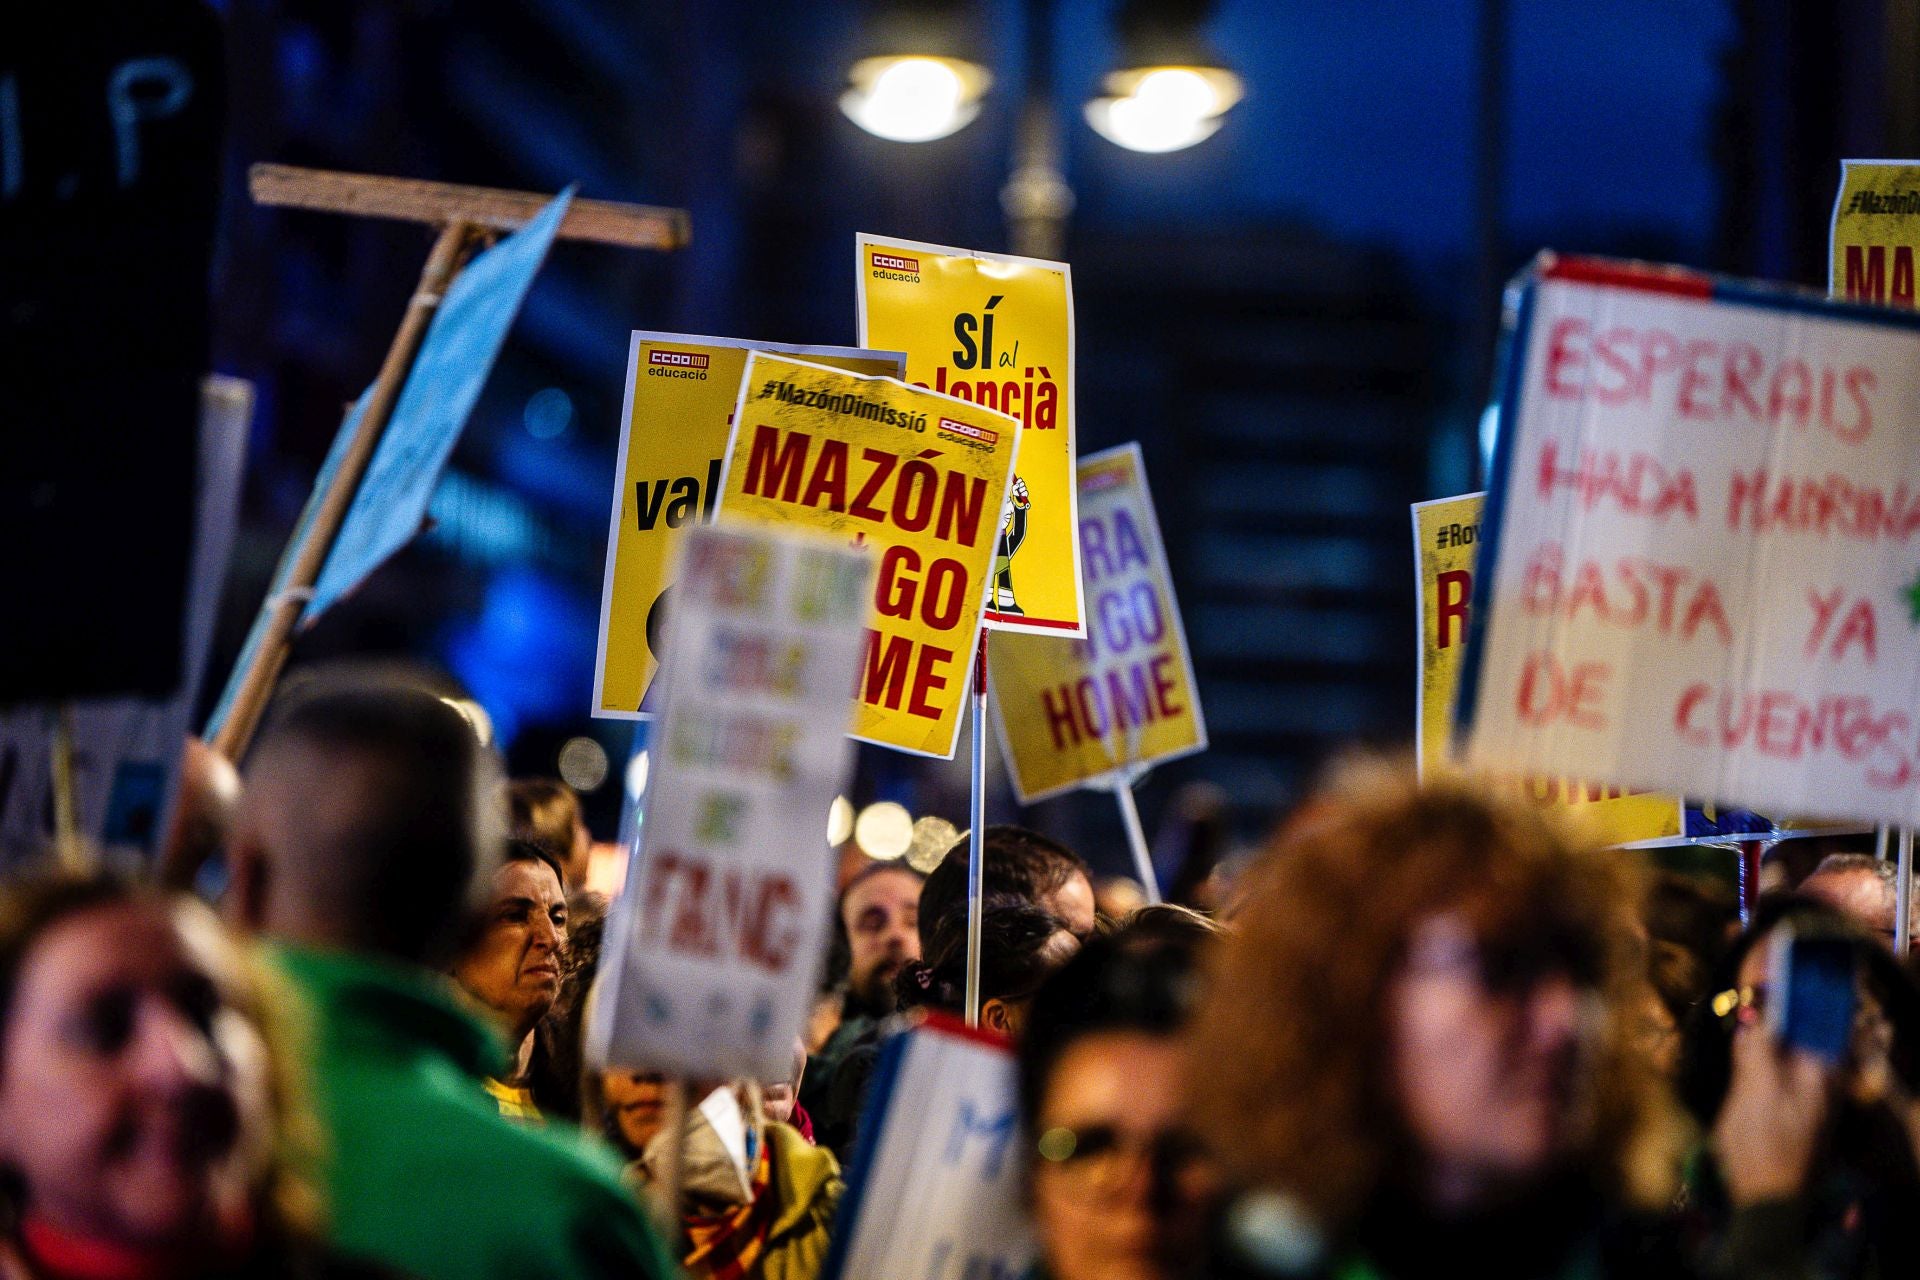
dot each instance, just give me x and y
(1813, 993)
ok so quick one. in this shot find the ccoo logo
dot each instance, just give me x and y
(678, 359)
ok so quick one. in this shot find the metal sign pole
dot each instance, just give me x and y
(1137, 839)
(1903, 894)
(976, 838)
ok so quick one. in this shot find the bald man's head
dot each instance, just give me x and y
(368, 823)
(1859, 887)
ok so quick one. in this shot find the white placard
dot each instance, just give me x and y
(936, 1180)
(715, 945)
(1705, 540)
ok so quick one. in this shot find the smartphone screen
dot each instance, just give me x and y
(1816, 1001)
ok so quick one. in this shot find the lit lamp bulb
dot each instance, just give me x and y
(1164, 108)
(914, 99)
(839, 822)
(883, 830)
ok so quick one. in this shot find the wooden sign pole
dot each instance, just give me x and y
(69, 850)
(460, 213)
(283, 608)
(670, 1180)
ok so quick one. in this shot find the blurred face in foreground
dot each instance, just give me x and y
(1491, 1062)
(1120, 1191)
(133, 1094)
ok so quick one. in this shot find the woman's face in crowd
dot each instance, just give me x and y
(133, 1095)
(638, 1101)
(1120, 1192)
(514, 967)
(1493, 1077)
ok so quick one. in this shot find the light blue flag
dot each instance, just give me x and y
(460, 347)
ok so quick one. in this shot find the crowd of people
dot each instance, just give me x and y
(1427, 1031)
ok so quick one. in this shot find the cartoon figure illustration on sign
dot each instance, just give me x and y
(1012, 534)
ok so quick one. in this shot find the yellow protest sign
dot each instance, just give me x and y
(1446, 534)
(681, 389)
(1073, 711)
(1876, 232)
(996, 330)
(917, 476)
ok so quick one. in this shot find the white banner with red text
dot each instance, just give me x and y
(714, 948)
(1704, 540)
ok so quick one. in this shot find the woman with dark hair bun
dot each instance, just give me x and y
(148, 1126)
(1020, 945)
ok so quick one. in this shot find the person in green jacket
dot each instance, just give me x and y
(365, 839)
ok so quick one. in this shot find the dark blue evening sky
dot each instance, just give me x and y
(1360, 119)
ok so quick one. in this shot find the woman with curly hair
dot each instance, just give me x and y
(1418, 1055)
(145, 1130)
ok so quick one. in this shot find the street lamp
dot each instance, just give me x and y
(1159, 109)
(921, 81)
(1172, 90)
(920, 76)
(914, 98)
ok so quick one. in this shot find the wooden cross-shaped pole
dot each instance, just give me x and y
(460, 212)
